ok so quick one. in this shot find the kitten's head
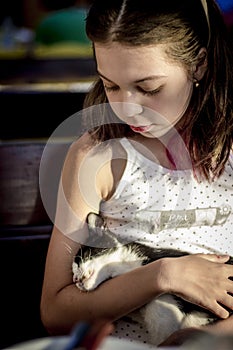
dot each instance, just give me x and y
(83, 275)
(89, 269)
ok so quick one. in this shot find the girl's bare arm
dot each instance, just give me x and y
(87, 178)
(63, 305)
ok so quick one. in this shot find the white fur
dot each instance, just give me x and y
(94, 271)
(161, 317)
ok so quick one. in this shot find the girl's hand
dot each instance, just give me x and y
(201, 279)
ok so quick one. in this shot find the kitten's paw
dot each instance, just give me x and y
(75, 272)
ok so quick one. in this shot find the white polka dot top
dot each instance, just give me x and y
(170, 208)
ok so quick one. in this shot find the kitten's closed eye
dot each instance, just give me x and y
(82, 277)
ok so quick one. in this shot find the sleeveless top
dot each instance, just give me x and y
(168, 208)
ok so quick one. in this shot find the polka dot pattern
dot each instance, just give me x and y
(170, 209)
(132, 331)
(167, 208)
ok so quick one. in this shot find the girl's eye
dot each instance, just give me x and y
(111, 88)
(149, 93)
(144, 92)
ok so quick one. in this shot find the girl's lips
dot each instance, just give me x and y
(140, 128)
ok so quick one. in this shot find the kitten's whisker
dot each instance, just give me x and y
(68, 247)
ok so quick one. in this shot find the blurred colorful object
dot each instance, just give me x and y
(225, 5)
(66, 25)
(227, 8)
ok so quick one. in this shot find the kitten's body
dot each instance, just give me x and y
(163, 315)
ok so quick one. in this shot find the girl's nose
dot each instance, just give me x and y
(130, 103)
(130, 109)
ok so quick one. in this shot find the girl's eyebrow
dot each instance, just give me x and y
(101, 75)
(151, 77)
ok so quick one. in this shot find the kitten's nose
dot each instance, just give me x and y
(81, 286)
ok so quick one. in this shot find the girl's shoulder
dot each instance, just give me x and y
(85, 145)
(102, 163)
(81, 146)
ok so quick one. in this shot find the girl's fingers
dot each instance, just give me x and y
(221, 312)
(205, 280)
(227, 301)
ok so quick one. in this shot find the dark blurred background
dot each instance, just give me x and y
(46, 69)
(46, 65)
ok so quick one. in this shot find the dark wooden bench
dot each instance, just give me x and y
(25, 229)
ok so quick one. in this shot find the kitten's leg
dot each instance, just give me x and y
(162, 317)
(197, 319)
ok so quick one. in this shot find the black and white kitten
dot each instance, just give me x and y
(163, 315)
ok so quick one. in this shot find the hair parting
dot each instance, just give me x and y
(205, 7)
(185, 27)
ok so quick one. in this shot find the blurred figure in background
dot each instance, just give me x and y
(63, 22)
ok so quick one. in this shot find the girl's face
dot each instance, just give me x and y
(145, 89)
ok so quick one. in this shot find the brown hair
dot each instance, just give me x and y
(184, 27)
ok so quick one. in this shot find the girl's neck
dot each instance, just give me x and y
(170, 153)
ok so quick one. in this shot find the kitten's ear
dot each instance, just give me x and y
(95, 221)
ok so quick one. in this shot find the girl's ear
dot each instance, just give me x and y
(200, 67)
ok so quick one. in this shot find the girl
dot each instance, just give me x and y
(159, 170)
